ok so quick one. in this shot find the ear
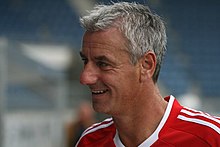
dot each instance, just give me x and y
(148, 65)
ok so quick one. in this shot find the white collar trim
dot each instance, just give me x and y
(154, 137)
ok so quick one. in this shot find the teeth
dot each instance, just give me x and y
(98, 91)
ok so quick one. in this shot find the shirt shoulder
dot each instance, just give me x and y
(193, 127)
(200, 124)
(99, 134)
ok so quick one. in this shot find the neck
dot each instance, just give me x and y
(141, 120)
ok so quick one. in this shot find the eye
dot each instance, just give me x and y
(85, 61)
(83, 58)
(101, 64)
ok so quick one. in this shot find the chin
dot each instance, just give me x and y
(101, 108)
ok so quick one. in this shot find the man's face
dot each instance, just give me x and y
(113, 80)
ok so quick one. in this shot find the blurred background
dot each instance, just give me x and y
(40, 94)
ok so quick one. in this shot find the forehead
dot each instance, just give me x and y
(110, 39)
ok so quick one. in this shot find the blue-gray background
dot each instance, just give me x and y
(191, 65)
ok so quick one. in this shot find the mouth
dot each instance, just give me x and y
(97, 92)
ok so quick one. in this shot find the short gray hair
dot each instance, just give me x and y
(143, 30)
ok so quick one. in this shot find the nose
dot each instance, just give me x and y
(89, 75)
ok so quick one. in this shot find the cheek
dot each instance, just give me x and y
(122, 81)
(132, 82)
(128, 81)
(131, 76)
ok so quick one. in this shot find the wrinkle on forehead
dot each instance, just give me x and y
(87, 44)
(110, 38)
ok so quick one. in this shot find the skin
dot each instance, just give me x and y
(119, 88)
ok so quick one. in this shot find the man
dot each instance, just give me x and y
(122, 50)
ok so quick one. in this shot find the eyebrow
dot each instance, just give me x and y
(82, 55)
(100, 58)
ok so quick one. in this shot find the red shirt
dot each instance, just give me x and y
(180, 126)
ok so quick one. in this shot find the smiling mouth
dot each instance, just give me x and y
(99, 91)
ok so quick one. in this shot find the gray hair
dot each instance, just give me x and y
(143, 30)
